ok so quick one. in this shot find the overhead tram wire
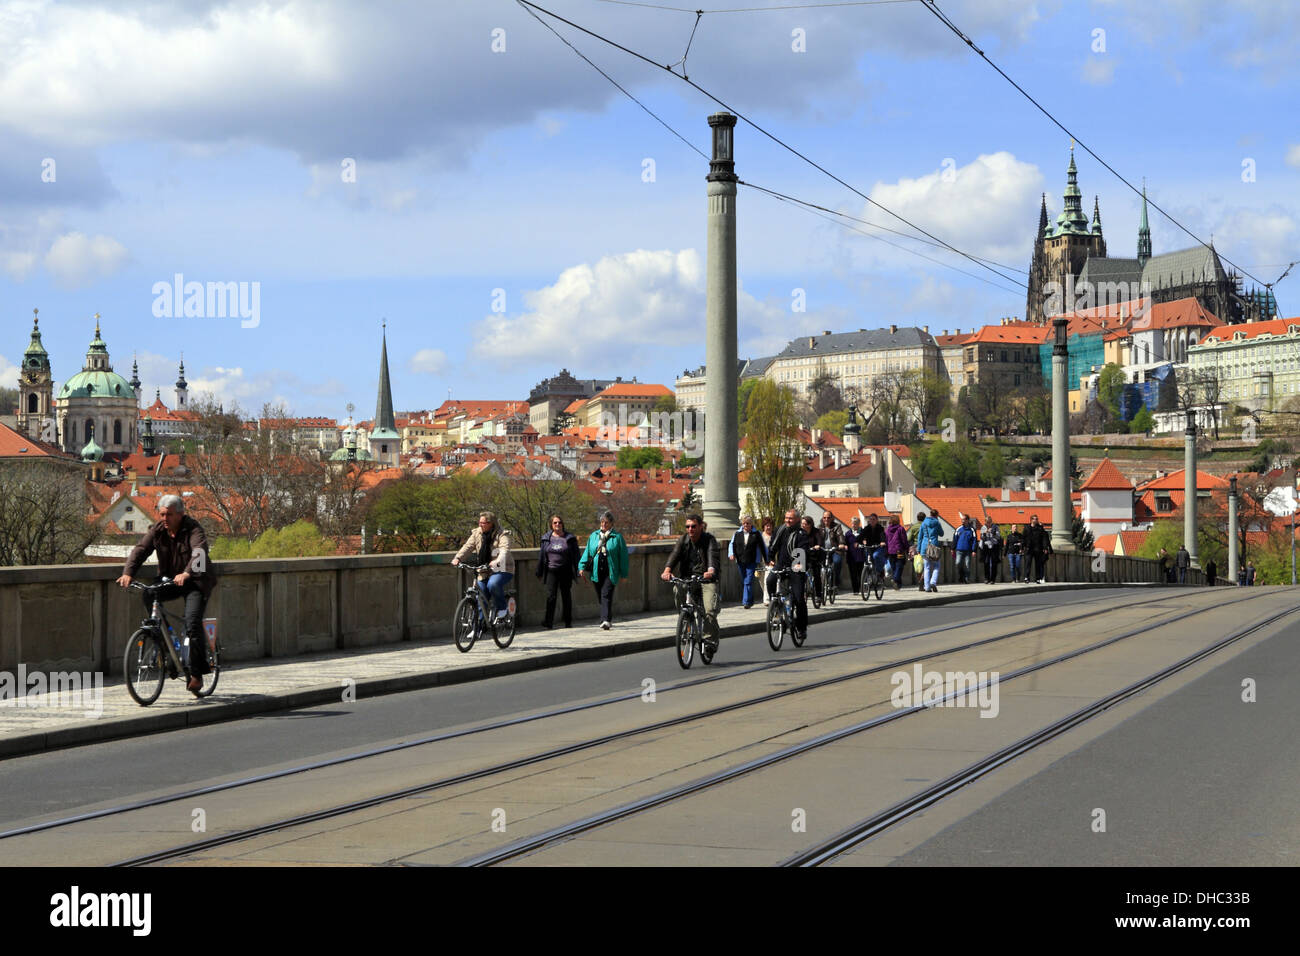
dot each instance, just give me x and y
(784, 6)
(810, 206)
(932, 6)
(784, 145)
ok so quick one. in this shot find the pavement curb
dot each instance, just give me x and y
(211, 713)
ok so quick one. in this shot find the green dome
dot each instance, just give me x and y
(341, 454)
(92, 451)
(97, 384)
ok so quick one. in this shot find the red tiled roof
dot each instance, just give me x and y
(1106, 477)
(1252, 329)
(852, 468)
(1179, 313)
(1011, 334)
(14, 444)
(633, 390)
(1175, 481)
(844, 510)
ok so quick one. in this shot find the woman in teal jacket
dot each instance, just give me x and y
(605, 563)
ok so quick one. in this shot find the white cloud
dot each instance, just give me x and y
(429, 361)
(986, 209)
(8, 378)
(282, 74)
(76, 260)
(1293, 155)
(616, 309)
(1255, 235)
(1099, 70)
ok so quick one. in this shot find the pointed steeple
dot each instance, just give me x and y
(384, 440)
(1042, 218)
(36, 349)
(1144, 230)
(182, 387)
(135, 378)
(1072, 219)
(1096, 216)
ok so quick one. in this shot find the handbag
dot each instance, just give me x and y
(932, 552)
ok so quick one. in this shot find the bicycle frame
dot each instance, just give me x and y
(165, 625)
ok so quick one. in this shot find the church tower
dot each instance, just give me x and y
(182, 389)
(36, 389)
(1144, 231)
(1037, 269)
(385, 443)
(1065, 248)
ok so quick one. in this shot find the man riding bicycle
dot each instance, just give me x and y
(790, 549)
(182, 549)
(873, 543)
(696, 554)
(489, 547)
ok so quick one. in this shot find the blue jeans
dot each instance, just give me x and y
(931, 573)
(746, 582)
(963, 566)
(1015, 566)
(496, 587)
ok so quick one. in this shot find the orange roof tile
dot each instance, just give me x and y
(1251, 330)
(1106, 477)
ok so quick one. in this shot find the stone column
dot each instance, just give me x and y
(1189, 487)
(1062, 507)
(721, 429)
(1233, 530)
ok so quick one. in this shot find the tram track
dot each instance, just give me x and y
(639, 806)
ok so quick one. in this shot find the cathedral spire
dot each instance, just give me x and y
(1042, 218)
(1072, 219)
(384, 440)
(1144, 230)
(1096, 216)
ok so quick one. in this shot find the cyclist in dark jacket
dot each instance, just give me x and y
(791, 547)
(182, 549)
(696, 554)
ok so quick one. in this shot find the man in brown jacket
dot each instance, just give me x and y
(182, 550)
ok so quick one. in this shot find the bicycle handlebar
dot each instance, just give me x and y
(688, 581)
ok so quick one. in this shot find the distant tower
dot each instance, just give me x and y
(182, 388)
(385, 443)
(146, 436)
(1037, 269)
(1144, 231)
(36, 389)
(1065, 248)
(135, 378)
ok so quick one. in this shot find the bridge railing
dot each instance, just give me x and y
(74, 617)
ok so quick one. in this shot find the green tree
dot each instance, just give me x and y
(993, 466)
(745, 389)
(404, 510)
(1080, 535)
(525, 506)
(833, 422)
(43, 513)
(927, 392)
(8, 401)
(1110, 389)
(1142, 422)
(298, 540)
(952, 464)
(773, 454)
(631, 457)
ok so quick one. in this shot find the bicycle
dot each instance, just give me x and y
(151, 658)
(691, 625)
(475, 612)
(780, 613)
(873, 579)
(828, 578)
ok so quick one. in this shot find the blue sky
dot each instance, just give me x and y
(209, 139)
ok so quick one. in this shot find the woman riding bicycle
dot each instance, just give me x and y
(490, 548)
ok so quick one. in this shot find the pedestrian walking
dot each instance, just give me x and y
(1166, 566)
(1182, 561)
(605, 563)
(853, 550)
(896, 547)
(928, 545)
(747, 551)
(1211, 572)
(1038, 545)
(991, 551)
(769, 528)
(557, 566)
(1250, 575)
(963, 544)
(1015, 546)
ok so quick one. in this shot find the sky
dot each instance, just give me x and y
(454, 169)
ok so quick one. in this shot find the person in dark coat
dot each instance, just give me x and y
(557, 566)
(896, 545)
(991, 551)
(790, 551)
(1038, 545)
(1015, 547)
(1182, 561)
(1211, 572)
(182, 549)
(1250, 574)
(748, 551)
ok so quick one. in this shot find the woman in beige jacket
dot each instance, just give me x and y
(488, 547)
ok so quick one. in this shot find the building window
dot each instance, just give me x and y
(1164, 504)
(128, 526)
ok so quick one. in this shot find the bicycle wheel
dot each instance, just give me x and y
(829, 588)
(504, 631)
(816, 597)
(685, 639)
(464, 626)
(796, 638)
(879, 585)
(775, 625)
(144, 666)
(214, 669)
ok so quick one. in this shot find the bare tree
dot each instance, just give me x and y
(44, 514)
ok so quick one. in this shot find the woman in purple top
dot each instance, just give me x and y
(896, 547)
(557, 566)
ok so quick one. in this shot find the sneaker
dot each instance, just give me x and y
(605, 625)
(502, 615)
(747, 606)
(1042, 581)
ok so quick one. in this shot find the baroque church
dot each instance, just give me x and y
(1071, 270)
(95, 413)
